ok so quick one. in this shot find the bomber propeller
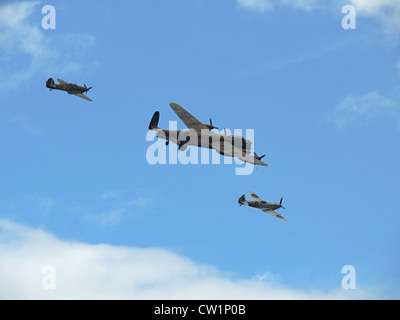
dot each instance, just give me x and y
(258, 157)
(210, 126)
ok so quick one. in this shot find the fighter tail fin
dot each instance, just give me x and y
(49, 82)
(154, 121)
(241, 199)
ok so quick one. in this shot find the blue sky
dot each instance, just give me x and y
(77, 192)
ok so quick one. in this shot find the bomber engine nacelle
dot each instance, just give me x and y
(241, 143)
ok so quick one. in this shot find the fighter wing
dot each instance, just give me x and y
(190, 121)
(254, 197)
(61, 81)
(81, 95)
(274, 214)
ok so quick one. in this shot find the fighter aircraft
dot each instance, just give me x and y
(201, 135)
(267, 207)
(71, 88)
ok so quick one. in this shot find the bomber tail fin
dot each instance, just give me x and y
(154, 121)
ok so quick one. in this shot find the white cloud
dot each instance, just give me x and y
(256, 5)
(372, 6)
(359, 108)
(28, 50)
(86, 271)
(12, 15)
(387, 12)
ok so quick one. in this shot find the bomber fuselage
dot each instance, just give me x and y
(227, 145)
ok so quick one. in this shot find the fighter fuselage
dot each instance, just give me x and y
(71, 88)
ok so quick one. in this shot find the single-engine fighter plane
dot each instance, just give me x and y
(267, 207)
(71, 88)
(201, 135)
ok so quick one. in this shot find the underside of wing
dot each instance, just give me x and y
(61, 81)
(274, 214)
(259, 162)
(250, 159)
(254, 197)
(81, 95)
(190, 121)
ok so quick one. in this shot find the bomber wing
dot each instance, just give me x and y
(62, 81)
(238, 153)
(190, 121)
(250, 159)
(274, 214)
(81, 95)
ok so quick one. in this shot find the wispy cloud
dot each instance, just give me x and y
(143, 202)
(23, 122)
(386, 12)
(87, 271)
(256, 5)
(356, 109)
(263, 6)
(41, 203)
(108, 218)
(28, 50)
(34, 207)
(117, 205)
(303, 56)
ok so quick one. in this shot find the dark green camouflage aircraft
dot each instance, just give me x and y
(71, 88)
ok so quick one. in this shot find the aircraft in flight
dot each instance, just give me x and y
(200, 135)
(267, 207)
(71, 88)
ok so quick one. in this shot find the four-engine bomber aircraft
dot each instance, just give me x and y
(200, 134)
(71, 88)
(267, 207)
